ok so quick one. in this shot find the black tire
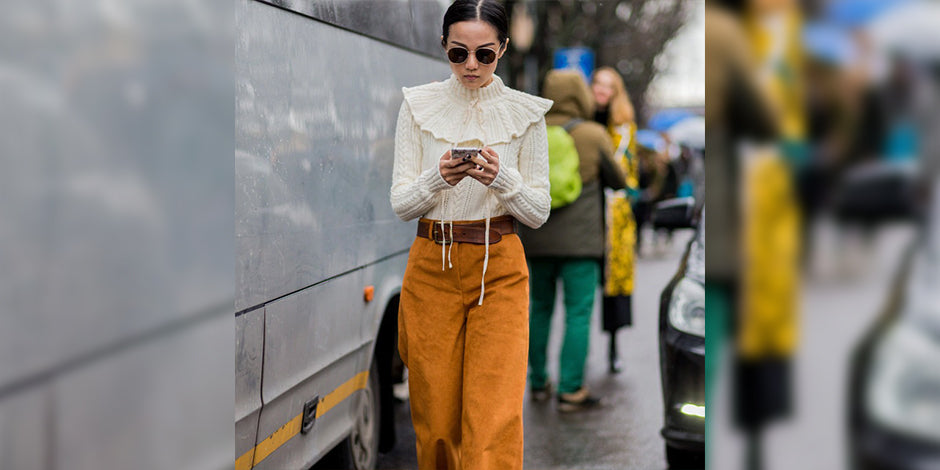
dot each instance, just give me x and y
(684, 458)
(390, 372)
(360, 450)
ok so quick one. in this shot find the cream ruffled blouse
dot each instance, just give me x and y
(439, 116)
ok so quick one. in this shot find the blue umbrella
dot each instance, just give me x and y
(651, 140)
(854, 13)
(689, 132)
(663, 120)
(828, 43)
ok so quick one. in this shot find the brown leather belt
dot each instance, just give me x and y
(467, 232)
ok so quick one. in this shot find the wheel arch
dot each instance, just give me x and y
(385, 355)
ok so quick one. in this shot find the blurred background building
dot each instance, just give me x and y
(654, 44)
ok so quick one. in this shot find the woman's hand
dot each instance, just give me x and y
(454, 170)
(486, 166)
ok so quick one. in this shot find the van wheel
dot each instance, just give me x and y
(360, 450)
(364, 439)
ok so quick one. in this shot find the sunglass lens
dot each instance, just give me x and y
(457, 55)
(486, 56)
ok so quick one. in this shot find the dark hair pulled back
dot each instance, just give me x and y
(490, 11)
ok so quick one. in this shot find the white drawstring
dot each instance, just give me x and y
(486, 258)
(443, 233)
(474, 105)
(444, 236)
(443, 244)
(486, 255)
(486, 243)
(451, 248)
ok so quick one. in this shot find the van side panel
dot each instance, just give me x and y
(249, 340)
(317, 355)
(316, 108)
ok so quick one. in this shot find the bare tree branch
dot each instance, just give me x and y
(629, 44)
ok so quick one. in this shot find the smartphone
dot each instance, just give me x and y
(461, 152)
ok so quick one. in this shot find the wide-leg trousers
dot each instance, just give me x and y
(466, 362)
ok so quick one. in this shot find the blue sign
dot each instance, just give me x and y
(578, 58)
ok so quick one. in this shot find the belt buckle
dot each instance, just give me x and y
(437, 236)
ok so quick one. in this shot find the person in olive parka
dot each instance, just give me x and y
(570, 246)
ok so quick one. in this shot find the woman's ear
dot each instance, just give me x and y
(503, 49)
(443, 44)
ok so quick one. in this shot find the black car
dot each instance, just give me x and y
(682, 344)
(894, 402)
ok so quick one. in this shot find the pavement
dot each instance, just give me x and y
(622, 435)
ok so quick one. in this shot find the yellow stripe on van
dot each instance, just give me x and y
(282, 435)
(336, 396)
(255, 455)
(245, 462)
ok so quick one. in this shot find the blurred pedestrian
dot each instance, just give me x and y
(615, 112)
(865, 81)
(902, 139)
(463, 315)
(828, 135)
(652, 176)
(691, 171)
(739, 108)
(570, 247)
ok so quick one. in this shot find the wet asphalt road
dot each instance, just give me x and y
(624, 434)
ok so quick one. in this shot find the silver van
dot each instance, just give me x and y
(319, 252)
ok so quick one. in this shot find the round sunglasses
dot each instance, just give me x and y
(459, 55)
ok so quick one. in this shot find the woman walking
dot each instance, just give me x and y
(614, 111)
(463, 317)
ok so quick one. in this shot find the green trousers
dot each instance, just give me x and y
(719, 303)
(579, 277)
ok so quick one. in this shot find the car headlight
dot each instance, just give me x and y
(904, 381)
(687, 307)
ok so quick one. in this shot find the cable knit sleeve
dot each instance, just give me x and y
(414, 192)
(524, 192)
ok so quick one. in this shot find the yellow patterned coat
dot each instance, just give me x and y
(621, 226)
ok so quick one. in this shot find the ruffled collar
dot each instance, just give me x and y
(446, 108)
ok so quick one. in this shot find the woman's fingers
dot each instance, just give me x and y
(487, 167)
(482, 174)
(453, 170)
(485, 172)
(446, 168)
(482, 167)
(491, 154)
(461, 165)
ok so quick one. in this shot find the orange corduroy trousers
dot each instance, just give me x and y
(466, 362)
